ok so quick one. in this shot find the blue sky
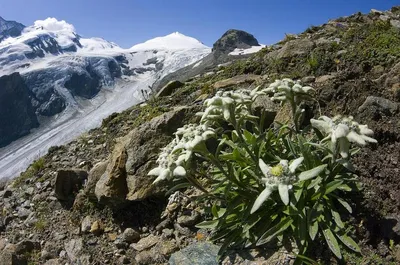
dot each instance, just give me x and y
(128, 22)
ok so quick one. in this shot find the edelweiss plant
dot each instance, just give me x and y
(268, 185)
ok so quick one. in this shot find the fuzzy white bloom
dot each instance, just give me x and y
(223, 104)
(344, 130)
(173, 157)
(285, 89)
(280, 177)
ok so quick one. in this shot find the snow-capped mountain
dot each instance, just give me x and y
(10, 29)
(74, 82)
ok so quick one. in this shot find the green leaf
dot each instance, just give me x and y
(178, 187)
(214, 210)
(312, 173)
(332, 186)
(275, 230)
(349, 242)
(208, 224)
(345, 205)
(332, 242)
(313, 230)
(336, 217)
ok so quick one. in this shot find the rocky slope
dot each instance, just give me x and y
(91, 201)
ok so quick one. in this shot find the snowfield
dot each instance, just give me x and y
(251, 50)
(49, 52)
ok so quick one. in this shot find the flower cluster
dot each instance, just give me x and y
(343, 130)
(224, 104)
(280, 177)
(286, 89)
(173, 157)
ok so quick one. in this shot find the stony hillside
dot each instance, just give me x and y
(91, 201)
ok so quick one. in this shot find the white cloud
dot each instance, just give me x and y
(51, 24)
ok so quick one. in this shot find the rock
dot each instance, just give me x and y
(94, 176)
(294, 48)
(169, 88)
(130, 236)
(86, 224)
(96, 228)
(308, 79)
(376, 107)
(112, 187)
(264, 104)
(146, 243)
(396, 90)
(53, 262)
(202, 253)
(74, 250)
(29, 191)
(9, 258)
(17, 114)
(68, 182)
(7, 193)
(189, 220)
(233, 39)
(124, 260)
(237, 80)
(23, 213)
(143, 145)
(395, 23)
(324, 78)
(15, 254)
(376, 12)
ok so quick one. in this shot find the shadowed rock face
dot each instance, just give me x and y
(17, 116)
(233, 39)
(10, 29)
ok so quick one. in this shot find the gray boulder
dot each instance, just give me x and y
(68, 182)
(202, 253)
(169, 88)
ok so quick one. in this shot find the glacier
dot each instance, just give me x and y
(52, 58)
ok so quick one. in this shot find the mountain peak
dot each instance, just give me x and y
(173, 41)
(9, 28)
(233, 39)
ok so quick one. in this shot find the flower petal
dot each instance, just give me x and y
(295, 164)
(356, 138)
(154, 172)
(284, 193)
(264, 195)
(322, 126)
(341, 131)
(264, 168)
(179, 171)
(344, 147)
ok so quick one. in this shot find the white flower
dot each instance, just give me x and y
(280, 177)
(286, 89)
(173, 157)
(343, 130)
(224, 104)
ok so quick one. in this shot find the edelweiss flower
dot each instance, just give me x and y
(286, 88)
(223, 103)
(173, 157)
(344, 130)
(280, 177)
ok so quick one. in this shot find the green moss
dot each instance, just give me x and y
(40, 225)
(374, 43)
(147, 113)
(32, 170)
